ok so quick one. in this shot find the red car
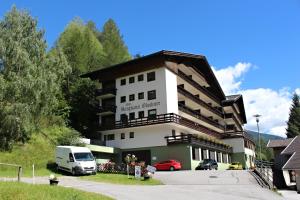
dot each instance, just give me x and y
(168, 165)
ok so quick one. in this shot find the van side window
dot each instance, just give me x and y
(71, 158)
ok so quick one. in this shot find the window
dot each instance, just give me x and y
(111, 137)
(219, 157)
(131, 79)
(105, 137)
(150, 76)
(123, 99)
(124, 118)
(71, 158)
(141, 95)
(151, 94)
(152, 114)
(141, 114)
(123, 81)
(131, 97)
(141, 77)
(131, 116)
(173, 133)
(195, 152)
(131, 135)
(122, 136)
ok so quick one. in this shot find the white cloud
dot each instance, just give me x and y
(273, 105)
(230, 77)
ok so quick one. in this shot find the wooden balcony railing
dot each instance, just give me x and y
(160, 119)
(232, 116)
(199, 116)
(104, 91)
(198, 86)
(204, 143)
(107, 108)
(199, 101)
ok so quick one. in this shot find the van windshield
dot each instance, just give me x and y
(83, 156)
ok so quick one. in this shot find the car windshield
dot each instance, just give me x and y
(235, 163)
(205, 161)
(83, 156)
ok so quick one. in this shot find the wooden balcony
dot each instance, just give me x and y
(199, 116)
(198, 141)
(232, 116)
(106, 92)
(199, 101)
(198, 86)
(107, 109)
(161, 119)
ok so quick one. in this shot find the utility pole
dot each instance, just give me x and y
(257, 116)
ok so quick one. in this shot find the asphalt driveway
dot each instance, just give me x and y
(179, 185)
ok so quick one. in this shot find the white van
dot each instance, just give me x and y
(77, 160)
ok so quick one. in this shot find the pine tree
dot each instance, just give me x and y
(293, 123)
(114, 47)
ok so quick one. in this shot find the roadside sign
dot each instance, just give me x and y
(137, 172)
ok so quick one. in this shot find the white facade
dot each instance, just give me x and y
(165, 85)
(237, 143)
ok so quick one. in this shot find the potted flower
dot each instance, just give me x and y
(53, 179)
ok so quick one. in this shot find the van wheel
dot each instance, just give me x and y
(73, 172)
(172, 168)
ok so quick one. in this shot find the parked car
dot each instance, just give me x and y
(76, 160)
(235, 165)
(207, 164)
(168, 165)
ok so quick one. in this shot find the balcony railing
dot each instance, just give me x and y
(161, 119)
(232, 116)
(107, 108)
(196, 85)
(204, 143)
(105, 91)
(199, 101)
(198, 115)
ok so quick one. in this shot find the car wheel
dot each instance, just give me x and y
(172, 168)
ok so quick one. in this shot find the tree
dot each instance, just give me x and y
(293, 123)
(30, 80)
(113, 44)
(84, 53)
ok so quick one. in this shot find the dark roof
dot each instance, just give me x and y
(156, 60)
(293, 163)
(293, 149)
(294, 146)
(238, 99)
(279, 143)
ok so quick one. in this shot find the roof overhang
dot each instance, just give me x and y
(168, 59)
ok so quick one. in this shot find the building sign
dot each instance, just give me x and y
(137, 172)
(130, 107)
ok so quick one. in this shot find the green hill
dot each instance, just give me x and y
(264, 136)
(40, 151)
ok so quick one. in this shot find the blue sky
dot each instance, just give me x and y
(264, 34)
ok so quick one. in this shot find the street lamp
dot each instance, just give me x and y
(257, 116)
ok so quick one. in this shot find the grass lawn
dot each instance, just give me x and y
(24, 191)
(38, 151)
(120, 179)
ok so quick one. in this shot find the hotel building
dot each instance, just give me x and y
(169, 105)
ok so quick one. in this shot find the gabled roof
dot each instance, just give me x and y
(294, 146)
(238, 99)
(156, 60)
(279, 143)
(292, 149)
